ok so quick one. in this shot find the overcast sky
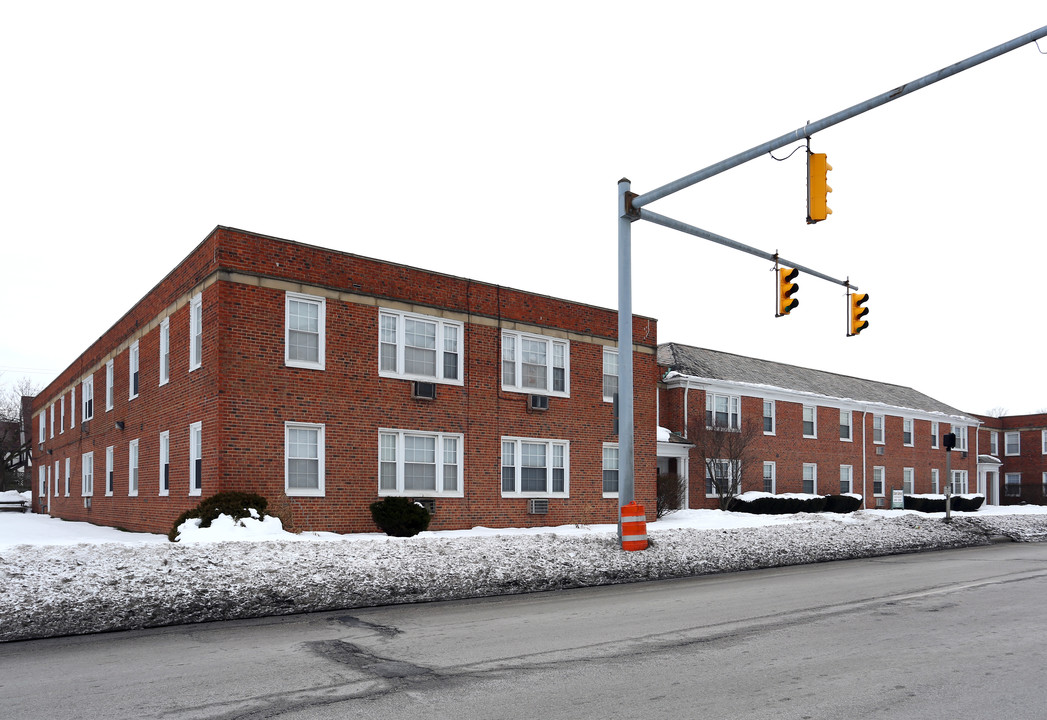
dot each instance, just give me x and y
(486, 140)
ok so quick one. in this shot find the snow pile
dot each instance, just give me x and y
(61, 589)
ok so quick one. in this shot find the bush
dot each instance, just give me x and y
(842, 503)
(671, 493)
(399, 516)
(236, 505)
(778, 505)
(936, 503)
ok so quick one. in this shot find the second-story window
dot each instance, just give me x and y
(305, 331)
(88, 399)
(165, 350)
(1012, 443)
(420, 347)
(723, 411)
(610, 374)
(845, 425)
(878, 429)
(132, 369)
(907, 432)
(810, 421)
(532, 363)
(768, 417)
(196, 332)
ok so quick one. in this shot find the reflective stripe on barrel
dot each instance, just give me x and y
(634, 527)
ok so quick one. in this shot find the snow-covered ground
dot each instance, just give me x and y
(60, 578)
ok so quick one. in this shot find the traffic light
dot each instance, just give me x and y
(817, 188)
(786, 289)
(858, 312)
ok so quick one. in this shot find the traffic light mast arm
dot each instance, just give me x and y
(811, 128)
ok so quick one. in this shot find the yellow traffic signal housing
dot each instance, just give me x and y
(858, 312)
(786, 289)
(818, 188)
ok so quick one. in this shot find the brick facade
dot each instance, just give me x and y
(244, 394)
(1019, 443)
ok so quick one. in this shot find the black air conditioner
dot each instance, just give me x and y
(538, 402)
(537, 506)
(423, 390)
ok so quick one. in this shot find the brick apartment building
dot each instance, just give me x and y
(816, 432)
(324, 381)
(1017, 446)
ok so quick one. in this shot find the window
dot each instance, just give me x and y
(165, 462)
(68, 468)
(109, 470)
(610, 470)
(43, 482)
(934, 434)
(878, 481)
(719, 477)
(72, 408)
(878, 429)
(1043, 442)
(56, 476)
(196, 332)
(1044, 484)
(305, 324)
(52, 428)
(810, 421)
(810, 478)
(61, 419)
(420, 347)
(304, 459)
(846, 479)
(610, 375)
(935, 487)
(846, 429)
(535, 468)
(87, 474)
(132, 369)
(419, 463)
(1012, 443)
(1012, 483)
(132, 467)
(532, 363)
(768, 417)
(959, 482)
(165, 350)
(723, 411)
(908, 481)
(994, 442)
(907, 435)
(196, 459)
(88, 399)
(961, 436)
(769, 470)
(109, 386)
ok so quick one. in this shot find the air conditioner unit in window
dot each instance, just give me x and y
(537, 506)
(428, 503)
(538, 402)
(879, 451)
(423, 390)
(879, 502)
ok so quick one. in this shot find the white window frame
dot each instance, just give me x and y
(87, 399)
(710, 485)
(43, 482)
(935, 481)
(109, 377)
(134, 375)
(1043, 442)
(813, 468)
(881, 471)
(61, 419)
(961, 437)
(770, 464)
(109, 480)
(1007, 443)
(959, 482)
(133, 474)
(517, 467)
(321, 332)
(68, 472)
(196, 453)
(1016, 486)
(43, 426)
(56, 476)
(165, 351)
(321, 431)
(846, 476)
(394, 348)
(611, 463)
(849, 415)
(52, 421)
(196, 332)
(882, 429)
(734, 410)
(87, 474)
(72, 408)
(994, 442)
(908, 428)
(610, 377)
(513, 355)
(934, 435)
(814, 421)
(164, 463)
(769, 413)
(908, 480)
(398, 463)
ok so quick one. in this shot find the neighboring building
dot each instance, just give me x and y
(815, 431)
(325, 381)
(1017, 446)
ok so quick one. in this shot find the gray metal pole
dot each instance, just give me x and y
(827, 122)
(625, 354)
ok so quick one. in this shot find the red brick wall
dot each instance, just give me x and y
(1031, 461)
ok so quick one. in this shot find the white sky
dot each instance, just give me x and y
(487, 142)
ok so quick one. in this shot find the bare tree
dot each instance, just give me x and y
(997, 412)
(11, 425)
(726, 451)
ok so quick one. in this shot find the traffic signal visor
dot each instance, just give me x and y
(818, 187)
(786, 289)
(858, 311)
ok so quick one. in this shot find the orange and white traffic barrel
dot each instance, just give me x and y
(634, 527)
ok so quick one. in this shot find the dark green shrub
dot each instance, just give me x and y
(842, 503)
(399, 516)
(778, 505)
(936, 503)
(962, 503)
(236, 505)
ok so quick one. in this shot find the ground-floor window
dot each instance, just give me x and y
(304, 459)
(1012, 483)
(959, 482)
(610, 470)
(87, 474)
(535, 468)
(878, 481)
(196, 459)
(846, 479)
(719, 478)
(415, 463)
(908, 481)
(769, 471)
(810, 478)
